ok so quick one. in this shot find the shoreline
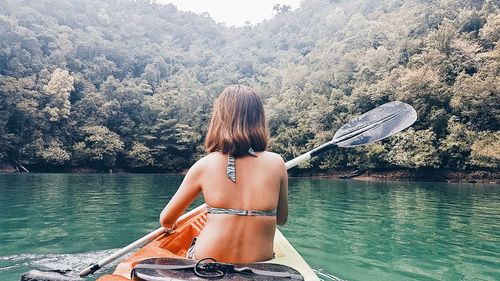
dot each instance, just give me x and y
(471, 177)
(480, 177)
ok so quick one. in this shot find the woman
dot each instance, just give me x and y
(244, 186)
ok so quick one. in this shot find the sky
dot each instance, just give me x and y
(233, 12)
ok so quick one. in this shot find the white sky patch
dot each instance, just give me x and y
(233, 12)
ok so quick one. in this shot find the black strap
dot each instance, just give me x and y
(220, 267)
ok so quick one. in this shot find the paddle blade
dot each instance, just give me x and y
(376, 124)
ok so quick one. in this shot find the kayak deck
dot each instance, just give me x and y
(176, 244)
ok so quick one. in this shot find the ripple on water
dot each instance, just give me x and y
(11, 267)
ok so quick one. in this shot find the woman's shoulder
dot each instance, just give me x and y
(272, 157)
(208, 159)
(273, 162)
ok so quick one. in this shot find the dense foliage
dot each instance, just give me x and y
(130, 84)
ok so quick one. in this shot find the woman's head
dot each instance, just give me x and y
(237, 123)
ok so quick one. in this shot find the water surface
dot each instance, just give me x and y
(350, 229)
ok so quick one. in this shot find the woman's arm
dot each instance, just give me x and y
(282, 210)
(185, 195)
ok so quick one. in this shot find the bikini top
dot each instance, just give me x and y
(224, 211)
(231, 174)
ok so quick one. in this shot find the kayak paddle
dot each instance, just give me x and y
(376, 124)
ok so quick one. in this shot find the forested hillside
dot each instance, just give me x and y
(130, 84)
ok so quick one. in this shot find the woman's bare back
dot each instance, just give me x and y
(235, 238)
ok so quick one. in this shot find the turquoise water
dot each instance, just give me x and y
(350, 229)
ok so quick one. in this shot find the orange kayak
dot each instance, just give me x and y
(176, 244)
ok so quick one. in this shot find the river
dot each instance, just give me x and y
(353, 230)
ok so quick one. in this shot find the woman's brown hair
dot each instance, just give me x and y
(238, 122)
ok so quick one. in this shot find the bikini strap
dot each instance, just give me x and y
(231, 168)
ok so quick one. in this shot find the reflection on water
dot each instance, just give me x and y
(349, 229)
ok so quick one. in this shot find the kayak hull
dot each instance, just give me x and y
(176, 244)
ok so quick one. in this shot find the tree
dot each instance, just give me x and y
(413, 149)
(456, 147)
(140, 156)
(58, 90)
(490, 32)
(485, 152)
(55, 155)
(477, 98)
(100, 146)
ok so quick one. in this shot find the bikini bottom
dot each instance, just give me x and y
(190, 252)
